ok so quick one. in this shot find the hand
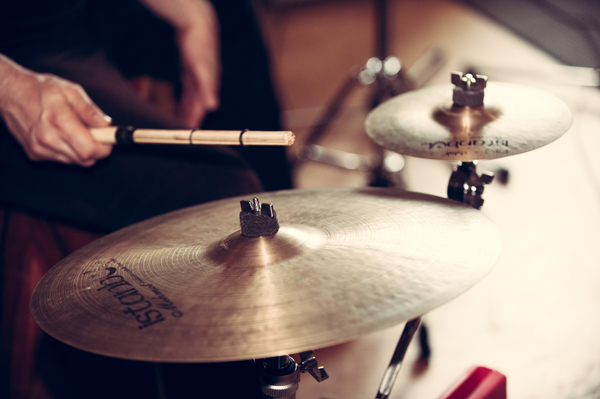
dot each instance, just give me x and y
(49, 116)
(198, 45)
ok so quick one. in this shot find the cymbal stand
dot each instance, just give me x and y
(464, 186)
(385, 76)
(280, 375)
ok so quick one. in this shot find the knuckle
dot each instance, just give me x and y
(56, 120)
(36, 151)
(44, 78)
(72, 88)
(89, 163)
(88, 112)
(50, 83)
(55, 80)
(43, 138)
(86, 154)
(31, 154)
(106, 151)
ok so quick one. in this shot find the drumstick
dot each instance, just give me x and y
(129, 135)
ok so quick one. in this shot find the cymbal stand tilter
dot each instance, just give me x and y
(280, 375)
(465, 184)
(385, 76)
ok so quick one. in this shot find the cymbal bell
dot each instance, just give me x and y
(425, 123)
(188, 287)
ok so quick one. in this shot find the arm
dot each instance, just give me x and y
(50, 116)
(196, 32)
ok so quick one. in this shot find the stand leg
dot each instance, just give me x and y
(389, 378)
(333, 109)
(160, 381)
(424, 343)
(381, 42)
(385, 82)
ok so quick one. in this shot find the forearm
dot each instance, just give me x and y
(13, 79)
(181, 14)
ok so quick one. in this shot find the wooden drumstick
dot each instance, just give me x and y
(130, 135)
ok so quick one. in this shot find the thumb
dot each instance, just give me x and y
(86, 109)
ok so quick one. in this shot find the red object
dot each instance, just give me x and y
(478, 383)
(29, 247)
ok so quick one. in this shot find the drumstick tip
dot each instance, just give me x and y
(290, 138)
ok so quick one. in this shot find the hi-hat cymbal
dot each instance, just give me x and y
(188, 287)
(425, 123)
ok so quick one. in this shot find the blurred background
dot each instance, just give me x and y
(533, 318)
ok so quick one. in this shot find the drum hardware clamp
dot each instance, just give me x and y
(281, 375)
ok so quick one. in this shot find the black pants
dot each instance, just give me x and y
(135, 183)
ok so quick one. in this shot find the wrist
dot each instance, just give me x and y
(13, 79)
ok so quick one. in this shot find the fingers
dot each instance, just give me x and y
(200, 66)
(68, 136)
(64, 139)
(85, 108)
(208, 69)
(208, 78)
(192, 109)
(196, 100)
(38, 150)
(62, 134)
(49, 117)
(81, 142)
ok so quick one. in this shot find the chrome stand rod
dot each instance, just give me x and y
(389, 378)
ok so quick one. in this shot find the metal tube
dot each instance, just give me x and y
(389, 378)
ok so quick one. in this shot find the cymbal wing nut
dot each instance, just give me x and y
(468, 90)
(309, 364)
(258, 220)
(467, 98)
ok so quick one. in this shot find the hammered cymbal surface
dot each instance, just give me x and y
(513, 119)
(187, 287)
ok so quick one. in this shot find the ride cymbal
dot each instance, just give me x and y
(188, 287)
(427, 124)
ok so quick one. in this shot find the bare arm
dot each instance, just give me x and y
(196, 29)
(49, 116)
